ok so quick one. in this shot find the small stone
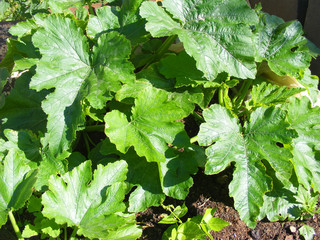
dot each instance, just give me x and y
(293, 229)
(290, 237)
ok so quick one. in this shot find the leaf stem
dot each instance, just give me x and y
(221, 94)
(74, 232)
(169, 209)
(243, 91)
(165, 45)
(95, 128)
(91, 11)
(161, 50)
(197, 117)
(15, 226)
(194, 139)
(65, 232)
(86, 142)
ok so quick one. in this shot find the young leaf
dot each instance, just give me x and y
(152, 126)
(306, 121)
(95, 208)
(65, 65)
(307, 232)
(282, 45)
(16, 181)
(211, 222)
(215, 33)
(178, 212)
(232, 144)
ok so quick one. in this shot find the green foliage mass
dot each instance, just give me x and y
(114, 109)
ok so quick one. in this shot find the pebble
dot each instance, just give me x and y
(293, 229)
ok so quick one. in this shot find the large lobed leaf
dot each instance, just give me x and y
(282, 45)
(215, 33)
(95, 205)
(66, 66)
(152, 126)
(247, 146)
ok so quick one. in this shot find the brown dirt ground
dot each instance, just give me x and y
(212, 192)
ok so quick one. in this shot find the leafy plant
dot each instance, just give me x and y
(197, 227)
(114, 110)
(22, 9)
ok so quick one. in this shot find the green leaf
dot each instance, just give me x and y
(48, 166)
(176, 172)
(280, 203)
(178, 211)
(152, 126)
(310, 82)
(4, 74)
(125, 20)
(213, 223)
(267, 94)
(131, 24)
(184, 97)
(307, 232)
(247, 146)
(96, 207)
(29, 231)
(282, 45)
(27, 146)
(189, 230)
(182, 67)
(142, 174)
(24, 28)
(17, 180)
(34, 204)
(215, 33)
(4, 6)
(306, 121)
(152, 180)
(22, 108)
(42, 226)
(105, 20)
(65, 65)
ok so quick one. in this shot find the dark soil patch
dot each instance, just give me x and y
(212, 192)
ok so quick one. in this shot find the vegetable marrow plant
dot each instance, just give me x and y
(116, 108)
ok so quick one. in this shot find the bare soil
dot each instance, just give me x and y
(212, 192)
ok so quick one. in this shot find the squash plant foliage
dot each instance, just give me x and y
(130, 100)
